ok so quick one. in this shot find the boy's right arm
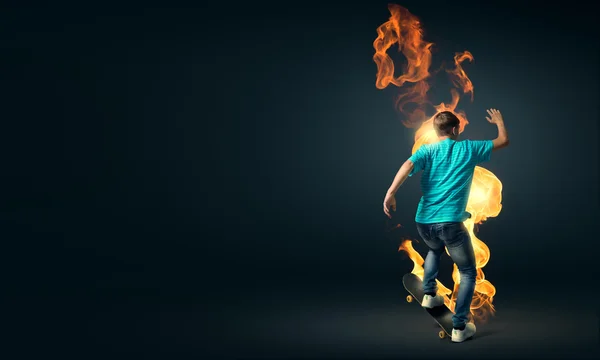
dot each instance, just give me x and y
(502, 139)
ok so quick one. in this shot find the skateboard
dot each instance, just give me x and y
(441, 314)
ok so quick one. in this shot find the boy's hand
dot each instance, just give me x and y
(389, 204)
(495, 116)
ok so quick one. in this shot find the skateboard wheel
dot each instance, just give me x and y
(442, 334)
(409, 298)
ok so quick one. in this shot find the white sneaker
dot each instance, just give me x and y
(462, 335)
(432, 301)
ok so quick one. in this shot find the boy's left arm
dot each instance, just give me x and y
(389, 203)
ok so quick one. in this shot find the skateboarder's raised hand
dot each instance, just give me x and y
(496, 118)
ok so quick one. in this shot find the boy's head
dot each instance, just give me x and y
(446, 123)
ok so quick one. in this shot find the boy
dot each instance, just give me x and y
(448, 167)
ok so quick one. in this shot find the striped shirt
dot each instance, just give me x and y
(448, 167)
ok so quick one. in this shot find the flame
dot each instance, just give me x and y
(404, 29)
(459, 76)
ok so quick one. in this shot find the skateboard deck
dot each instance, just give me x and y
(441, 314)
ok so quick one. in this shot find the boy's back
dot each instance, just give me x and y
(448, 167)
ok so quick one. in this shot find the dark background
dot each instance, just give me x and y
(199, 156)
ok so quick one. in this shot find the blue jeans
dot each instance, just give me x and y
(455, 237)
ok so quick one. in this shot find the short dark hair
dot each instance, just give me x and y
(444, 121)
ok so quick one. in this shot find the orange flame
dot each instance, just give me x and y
(459, 76)
(404, 29)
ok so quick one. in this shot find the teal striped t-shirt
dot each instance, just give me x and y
(448, 167)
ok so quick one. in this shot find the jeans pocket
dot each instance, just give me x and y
(424, 231)
(453, 234)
